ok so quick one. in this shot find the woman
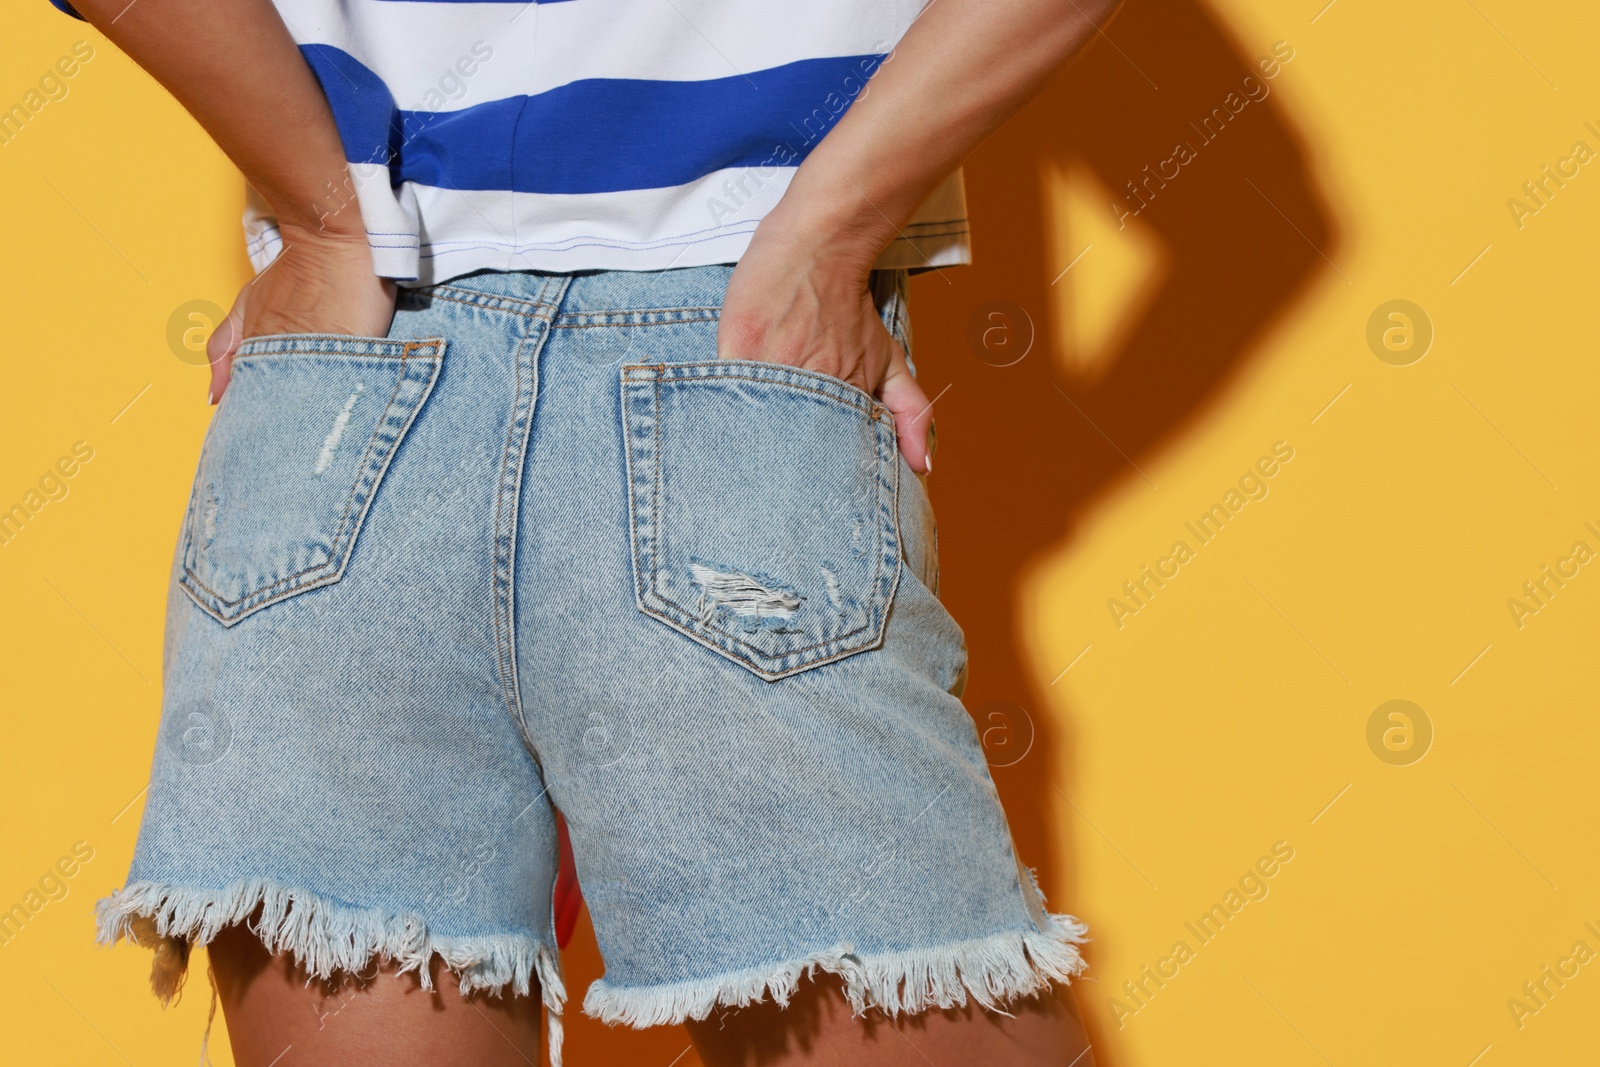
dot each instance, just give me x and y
(569, 457)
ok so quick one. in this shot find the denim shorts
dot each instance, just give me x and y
(539, 549)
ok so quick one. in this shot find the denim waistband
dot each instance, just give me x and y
(592, 294)
(619, 297)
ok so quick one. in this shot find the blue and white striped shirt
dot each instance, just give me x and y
(588, 134)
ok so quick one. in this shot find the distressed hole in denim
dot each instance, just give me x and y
(341, 421)
(835, 594)
(209, 517)
(743, 595)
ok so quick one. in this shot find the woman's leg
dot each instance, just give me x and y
(817, 1029)
(347, 761)
(278, 1015)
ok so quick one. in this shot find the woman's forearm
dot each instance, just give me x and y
(233, 65)
(799, 294)
(961, 70)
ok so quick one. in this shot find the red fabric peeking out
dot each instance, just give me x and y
(568, 895)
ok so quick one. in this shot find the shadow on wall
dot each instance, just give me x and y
(1021, 464)
(1029, 448)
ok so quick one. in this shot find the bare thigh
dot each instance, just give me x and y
(276, 1016)
(818, 1030)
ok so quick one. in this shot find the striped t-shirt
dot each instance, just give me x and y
(588, 134)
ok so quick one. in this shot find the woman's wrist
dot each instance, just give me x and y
(828, 223)
(345, 239)
(320, 214)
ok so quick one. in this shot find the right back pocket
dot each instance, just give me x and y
(762, 500)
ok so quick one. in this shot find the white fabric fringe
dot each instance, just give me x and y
(323, 936)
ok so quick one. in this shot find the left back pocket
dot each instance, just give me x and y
(292, 463)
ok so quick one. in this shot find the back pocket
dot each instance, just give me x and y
(762, 502)
(292, 462)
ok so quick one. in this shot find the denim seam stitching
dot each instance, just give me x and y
(680, 315)
(632, 325)
(713, 372)
(527, 308)
(489, 301)
(301, 345)
(494, 581)
(634, 537)
(503, 574)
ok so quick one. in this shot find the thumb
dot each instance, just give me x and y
(223, 343)
(912, 413)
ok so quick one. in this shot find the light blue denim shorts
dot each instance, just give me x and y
(538, 550)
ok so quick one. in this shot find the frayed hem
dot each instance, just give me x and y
(323, 936)
(990, 970)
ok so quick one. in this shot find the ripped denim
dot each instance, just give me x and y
(540, 549)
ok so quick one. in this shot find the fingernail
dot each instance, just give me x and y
(211, 396)
(927, 463)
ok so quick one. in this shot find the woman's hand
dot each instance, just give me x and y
(259, 100)
(320, 283)
(799, 293)
(789, 302)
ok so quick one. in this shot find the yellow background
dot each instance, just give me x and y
(1228, 714)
